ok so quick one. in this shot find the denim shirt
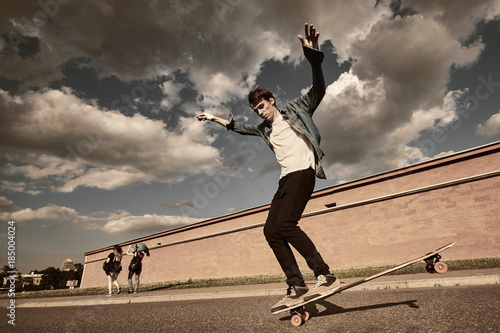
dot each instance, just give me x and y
(298, 112)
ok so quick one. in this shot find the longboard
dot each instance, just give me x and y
(434, 265)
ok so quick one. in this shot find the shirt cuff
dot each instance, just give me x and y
(230, 125)
(312, 55)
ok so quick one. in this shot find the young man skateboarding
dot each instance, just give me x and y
(294, 138)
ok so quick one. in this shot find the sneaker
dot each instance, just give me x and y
(325, 284)
(135, 291)
(293, 295)
(130, 291)
(109, 295)
(119, 291)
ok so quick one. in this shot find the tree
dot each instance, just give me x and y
(19, 282)
(54, 278)
(4, 274)
(51, 278)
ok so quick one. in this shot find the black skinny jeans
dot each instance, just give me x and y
(281, 229)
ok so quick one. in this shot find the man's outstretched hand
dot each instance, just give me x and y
(311, 37)
(204, 116)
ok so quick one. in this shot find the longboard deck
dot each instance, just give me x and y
(372, 277)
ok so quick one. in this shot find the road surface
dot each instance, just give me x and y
(445, 309)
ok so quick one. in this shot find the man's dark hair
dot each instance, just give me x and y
(256, 95)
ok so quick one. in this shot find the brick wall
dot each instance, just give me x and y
(380, 220)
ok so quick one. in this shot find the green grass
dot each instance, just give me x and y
(456, 265)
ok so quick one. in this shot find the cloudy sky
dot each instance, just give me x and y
(98, 137)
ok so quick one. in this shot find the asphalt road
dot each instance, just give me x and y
(445, 309)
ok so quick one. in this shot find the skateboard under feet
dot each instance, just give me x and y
(433, 265)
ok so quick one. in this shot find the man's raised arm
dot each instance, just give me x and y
(310, 45)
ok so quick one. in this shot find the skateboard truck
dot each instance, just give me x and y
(435, 266)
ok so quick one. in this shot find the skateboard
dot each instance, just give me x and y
(432, 259)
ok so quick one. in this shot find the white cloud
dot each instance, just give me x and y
(120, 222)
(81, 144)
(396, 88)
(123, 222)
(191, 35)
(50, 212)
(491, 127)
(4, 202)
(194, 35)
(218, 88)
(107, 179)
(460, 16)
(39, 166)
(10, 186)
(171, 91)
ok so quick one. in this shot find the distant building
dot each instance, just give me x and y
(27, 279)
(68, 265)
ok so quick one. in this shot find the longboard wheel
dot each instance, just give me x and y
(297, 320)
(430, 269)
(306, 315)
(440, 267)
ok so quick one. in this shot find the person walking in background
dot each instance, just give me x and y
(294, 138)
(135, 266)
(113, 267)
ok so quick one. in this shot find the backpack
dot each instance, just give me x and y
(141, 247)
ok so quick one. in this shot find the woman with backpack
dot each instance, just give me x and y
(113, 267)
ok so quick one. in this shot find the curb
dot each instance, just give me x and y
(406, 284)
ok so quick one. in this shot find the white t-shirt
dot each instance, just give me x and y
(293, 150)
